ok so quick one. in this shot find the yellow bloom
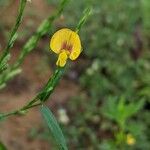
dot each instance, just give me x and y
(130, 139)
(66, 43)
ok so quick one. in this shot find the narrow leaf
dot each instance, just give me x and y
(54, 127)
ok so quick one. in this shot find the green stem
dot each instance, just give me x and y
(42, 96)
(19, 111)
(83, 19)
(42, 30)
(13, 34)
(32, 43)
(47, 90)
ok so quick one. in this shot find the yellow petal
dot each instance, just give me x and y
(130, 139)
(69, 37)
(76, 49)
(62, 59)
(59, 38)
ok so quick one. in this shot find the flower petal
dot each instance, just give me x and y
(59, 38)
(76, 46)
(62, 59)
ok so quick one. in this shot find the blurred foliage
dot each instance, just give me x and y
(146, 15)
(115, 82)
(2, 147)
(4, 2)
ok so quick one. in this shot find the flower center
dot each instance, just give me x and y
(66, 46)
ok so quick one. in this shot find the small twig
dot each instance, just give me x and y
(41, 97)
(19, 111)
(13, 36)
(49, 87)
(31, 44)
(83, 19)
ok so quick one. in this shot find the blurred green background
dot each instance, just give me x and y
(103, 101)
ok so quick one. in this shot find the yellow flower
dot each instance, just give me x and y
(66, 43)
(130, 139)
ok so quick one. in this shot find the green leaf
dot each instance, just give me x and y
(2, 147)
(54, 127)
(119, 110)
(145, 5)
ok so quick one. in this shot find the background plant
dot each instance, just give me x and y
(117, 63)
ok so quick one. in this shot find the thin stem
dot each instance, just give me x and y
(19, 111)
(44, 94)
(42, 30)
(31, 44)
(83, 19)
(13, 34)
